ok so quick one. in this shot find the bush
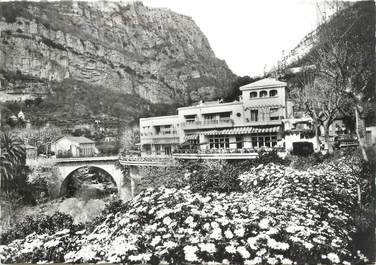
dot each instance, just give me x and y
(302, 148)
(214, 176)
(204, 175)
(297, 217)
(39, 224)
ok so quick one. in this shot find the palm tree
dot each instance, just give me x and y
(13, 155)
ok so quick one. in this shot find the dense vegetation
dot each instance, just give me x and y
(73, 102)
(277, 215)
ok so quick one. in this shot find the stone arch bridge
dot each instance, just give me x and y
(124, 184)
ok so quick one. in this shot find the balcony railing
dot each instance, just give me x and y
(228, 150)
(207, 123)
(228, 153)
(160, 134)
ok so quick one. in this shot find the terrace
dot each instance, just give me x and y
(225, 153)
(195, 124)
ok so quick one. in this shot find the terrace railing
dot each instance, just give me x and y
(207, 123)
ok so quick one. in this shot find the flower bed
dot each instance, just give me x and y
(284, 216)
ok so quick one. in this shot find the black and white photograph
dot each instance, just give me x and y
(188, 132)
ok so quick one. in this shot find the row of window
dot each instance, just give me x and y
(263, 94)
(272, 115)
(221, 141)
(159, 149)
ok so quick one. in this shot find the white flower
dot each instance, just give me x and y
(206, 226)
(264, 224)
(214, 225)
(286, 261)
(333, 257)
(272, 261)
(229, 234)
(277, 245)
(346, 262)
(255, 261)
(50, 244)
(140, 257)
(190, 253)
(155, 241)
(208, 247)
(291, 229)
(189, 220)
(272, 231)
(252, 241)
(308, 245)
(168, 235)
(230, 249)
(243, 252)
(86, 253)
(225, 261)
(261, 252)
(216, 234)
(167, 221)
(170, 244)
(239, 232)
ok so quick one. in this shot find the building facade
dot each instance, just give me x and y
(69, 146)
(159, 135)
(255, 121)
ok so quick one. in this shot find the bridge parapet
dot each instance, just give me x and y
(85, 159)
(147, 161)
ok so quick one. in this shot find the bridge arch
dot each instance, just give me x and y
(66, 188)
(125, 185)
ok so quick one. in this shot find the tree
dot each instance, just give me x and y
(344, 53)
(316, 93)
(12, 160)
(41, 137)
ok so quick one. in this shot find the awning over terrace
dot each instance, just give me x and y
(191, 137)
(243, 130)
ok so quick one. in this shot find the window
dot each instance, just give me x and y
(267, 140)
(273, 93)
(263, 94)
(253, 95)
(239, 142)
(219, 141)
(274, 140)
(274, 114)
(254, 142)
(147, 149)
(167, 150)
(254, 115)
(157, 149)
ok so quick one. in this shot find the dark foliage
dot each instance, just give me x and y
(302, 148)
(39, 224)
(205, 176)
(74, 102)
(235, 91)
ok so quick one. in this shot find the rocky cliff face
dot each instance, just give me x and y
(154, 53)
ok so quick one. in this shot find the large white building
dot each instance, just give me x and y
(256, 121)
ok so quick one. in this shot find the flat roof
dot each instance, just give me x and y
(264, 83)
(211, 104)
(160, 117)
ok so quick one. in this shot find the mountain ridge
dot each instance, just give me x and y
(155, 53)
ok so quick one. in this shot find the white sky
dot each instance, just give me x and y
(248, 34)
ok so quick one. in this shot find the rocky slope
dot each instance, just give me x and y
(156, 54)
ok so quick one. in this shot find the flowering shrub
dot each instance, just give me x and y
(39, 224)
(282, 216)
